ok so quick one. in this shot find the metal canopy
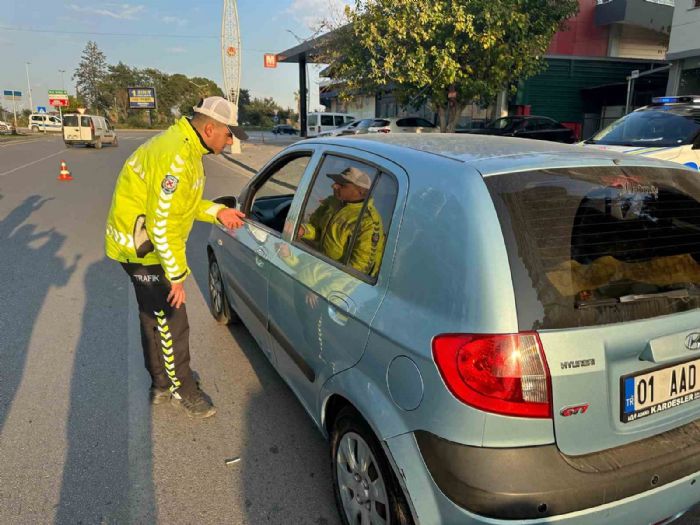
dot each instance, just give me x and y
(306, 52)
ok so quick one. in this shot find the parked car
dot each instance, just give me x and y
(320, 121)
(6, 128)
(90, 130)
(284, 129)
(44, 122)
(403, 125)
(527, 127)
(468, 124)
(667, 129)
(357, 127)
(514, 340)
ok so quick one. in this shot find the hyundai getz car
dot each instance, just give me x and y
(516, 339)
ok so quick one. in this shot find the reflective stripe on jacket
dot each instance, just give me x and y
(157, 198)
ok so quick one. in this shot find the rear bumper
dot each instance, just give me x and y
(541, 482)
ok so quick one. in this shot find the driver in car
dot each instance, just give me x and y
(332, 226)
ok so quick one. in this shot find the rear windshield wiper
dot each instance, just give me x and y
(680, 293)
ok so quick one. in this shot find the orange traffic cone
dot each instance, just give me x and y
(64, 174)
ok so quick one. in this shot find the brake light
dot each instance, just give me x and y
(505, 373)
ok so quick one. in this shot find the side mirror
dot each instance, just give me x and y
(228, 201)
(696, 143)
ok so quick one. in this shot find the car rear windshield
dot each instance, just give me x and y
(660, 127)
(70, 120)
(593, 246)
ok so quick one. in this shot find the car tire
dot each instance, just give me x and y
(35, 129)
(69, 145)
(98, 144)
(218, 303)
(358, 485)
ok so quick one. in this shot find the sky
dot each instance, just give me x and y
(175, 36)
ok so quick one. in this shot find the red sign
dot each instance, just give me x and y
(60, 101)
(270, 60)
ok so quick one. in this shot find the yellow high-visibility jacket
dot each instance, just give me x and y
(157, 198)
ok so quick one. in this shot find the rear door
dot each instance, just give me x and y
(71, 128)
(606, 269)
(321, 301)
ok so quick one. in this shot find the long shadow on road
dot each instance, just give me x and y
(29, 267)
(285, 467)
(107, 477)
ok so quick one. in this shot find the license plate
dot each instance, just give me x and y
(650, 392)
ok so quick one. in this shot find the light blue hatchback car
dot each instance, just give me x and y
(488, 330)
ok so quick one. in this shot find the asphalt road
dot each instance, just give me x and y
(79, 442)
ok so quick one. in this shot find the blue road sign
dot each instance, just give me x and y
(10, 93)
(41, 109)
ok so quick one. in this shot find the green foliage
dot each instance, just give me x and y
(446, 52)
(261, 112)
(102, 89)
(89, 74)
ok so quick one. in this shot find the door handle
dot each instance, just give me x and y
(342, 301)
(336, 316)
(260, 257)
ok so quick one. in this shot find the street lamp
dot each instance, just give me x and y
(29, 87)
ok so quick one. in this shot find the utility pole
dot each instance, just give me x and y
(29, 88)
(63, 87)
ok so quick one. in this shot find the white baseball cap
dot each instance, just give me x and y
(223, 111)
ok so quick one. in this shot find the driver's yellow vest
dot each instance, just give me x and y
(157, 198)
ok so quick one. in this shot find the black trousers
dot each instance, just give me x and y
(165, 331)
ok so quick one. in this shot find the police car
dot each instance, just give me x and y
(667, 129)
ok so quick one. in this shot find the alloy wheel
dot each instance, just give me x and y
(362, 488)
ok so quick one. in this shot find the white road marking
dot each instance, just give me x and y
(31, 163)
(28, 141)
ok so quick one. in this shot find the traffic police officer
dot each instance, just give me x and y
(157, 198)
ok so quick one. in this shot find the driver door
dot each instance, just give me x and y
(244, 252)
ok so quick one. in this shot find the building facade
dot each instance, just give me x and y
(684, 49)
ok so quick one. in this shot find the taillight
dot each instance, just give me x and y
(384, 130)
(504, 373)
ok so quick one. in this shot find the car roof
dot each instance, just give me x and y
(488, 154)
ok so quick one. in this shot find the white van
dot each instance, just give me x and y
(319, 122)
(43, 122)
(90, 130)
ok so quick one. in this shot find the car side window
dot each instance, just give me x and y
(424, 123)
(326, 120)
(273, 198)
(347, 214)
(338, 120)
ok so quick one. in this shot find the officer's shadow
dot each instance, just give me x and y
(23, 251)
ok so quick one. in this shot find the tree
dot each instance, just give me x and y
(90, 74)
(448, 53)
(260, 111)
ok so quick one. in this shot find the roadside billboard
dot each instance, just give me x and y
(141, 97)
(58, 97)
